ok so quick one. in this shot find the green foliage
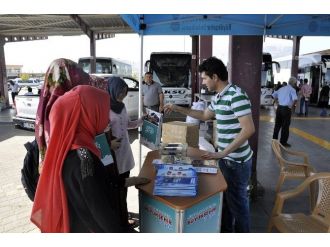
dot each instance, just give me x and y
(25, 76)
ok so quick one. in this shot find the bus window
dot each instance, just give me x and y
(114, 69)
(106, 65)
(98, 68)
(327, 76)
(85, 66)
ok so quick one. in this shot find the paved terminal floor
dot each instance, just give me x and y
(309, 134)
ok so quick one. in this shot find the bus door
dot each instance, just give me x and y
(314, 79)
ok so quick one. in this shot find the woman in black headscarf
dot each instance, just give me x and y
(119, 124)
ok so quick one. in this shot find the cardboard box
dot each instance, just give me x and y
(181, 132)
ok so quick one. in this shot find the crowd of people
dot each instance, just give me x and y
(291, 98)
(84, 195)
(76, 192)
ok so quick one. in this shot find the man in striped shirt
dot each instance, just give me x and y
(232, 109)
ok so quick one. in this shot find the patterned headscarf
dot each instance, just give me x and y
(61, 76)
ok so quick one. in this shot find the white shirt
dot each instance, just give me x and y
(119, 124)
(14, 88)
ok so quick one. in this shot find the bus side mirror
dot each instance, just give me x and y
(147, 66)
(278, 68)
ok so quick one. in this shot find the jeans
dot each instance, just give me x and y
(303, 103)
(235, 210)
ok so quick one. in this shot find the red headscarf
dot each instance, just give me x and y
(61, 76)
(76, 118)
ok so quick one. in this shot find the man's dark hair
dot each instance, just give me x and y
(148, 73)
(305, 80)
(213, 66)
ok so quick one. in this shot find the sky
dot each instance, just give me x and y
(35, 56)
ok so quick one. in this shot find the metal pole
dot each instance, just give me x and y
(140, 97)
(3, 73)
(93, 52)
(295, 56)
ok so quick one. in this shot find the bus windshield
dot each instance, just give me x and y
(171, 70)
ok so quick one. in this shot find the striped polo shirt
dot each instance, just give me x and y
(228, 105)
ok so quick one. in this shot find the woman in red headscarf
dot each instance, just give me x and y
(75, 192)
(61, 76)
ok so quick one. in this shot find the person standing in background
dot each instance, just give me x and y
(286, 97)
(29, 91)
(15, 88)
(305, 91)
(278, 86)
(299, 95)
(152, 94)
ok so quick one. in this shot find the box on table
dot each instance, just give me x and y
(181, 132)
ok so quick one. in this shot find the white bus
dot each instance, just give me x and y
(106, 65)
(313, 66)
(173, 71)
(267, 79)
(316, 68)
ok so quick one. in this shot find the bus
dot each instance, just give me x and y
(316, 68)
(172, 70)
(285, 73)
(106, 65)
(267, 79)
(313, 66)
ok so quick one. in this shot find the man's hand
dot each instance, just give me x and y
(213, 156)
(133, 181)
(168, 108)
(161, 108)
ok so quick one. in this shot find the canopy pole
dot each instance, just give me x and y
(140, 97)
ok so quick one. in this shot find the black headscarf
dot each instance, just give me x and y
(116, 86)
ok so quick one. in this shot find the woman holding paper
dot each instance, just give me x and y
(119, 124)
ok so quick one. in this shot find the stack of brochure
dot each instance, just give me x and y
(175, 180)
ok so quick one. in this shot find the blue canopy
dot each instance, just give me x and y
(230, 24)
